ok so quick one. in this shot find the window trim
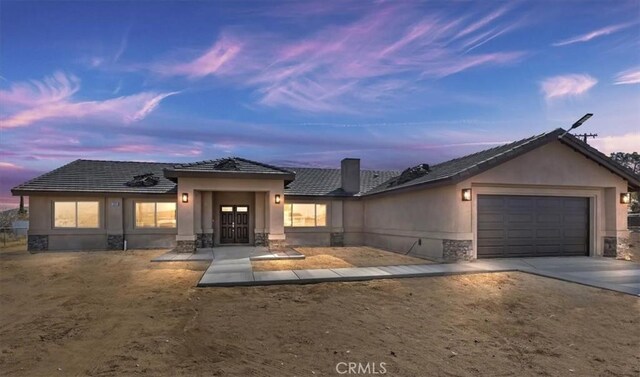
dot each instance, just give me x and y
(75, 202)
(155, 215)
(315, 216)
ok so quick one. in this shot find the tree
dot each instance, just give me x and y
(631, 161)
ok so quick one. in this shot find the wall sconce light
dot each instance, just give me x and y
(185, 197)
(625, 198)
(277, 198)
(466, 195)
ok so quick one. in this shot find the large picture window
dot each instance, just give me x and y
(155, 215)
(305, 214)
(76, 214)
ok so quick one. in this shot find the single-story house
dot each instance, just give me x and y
(546, 195)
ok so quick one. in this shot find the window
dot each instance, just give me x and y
(155, 215)
(305, 214)
(76, 214)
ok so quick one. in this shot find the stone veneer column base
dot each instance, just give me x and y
(337, 239)
(185, 247)
(199, 240)
(115, 242)
(457, 250)
(37, 242)
(260, 239)
(207, 240)
(276, 244)
(610, 247)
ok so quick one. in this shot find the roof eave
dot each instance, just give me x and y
(27, 192)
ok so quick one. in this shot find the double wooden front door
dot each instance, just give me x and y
(234, 224)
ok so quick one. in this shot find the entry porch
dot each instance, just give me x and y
(230, 201)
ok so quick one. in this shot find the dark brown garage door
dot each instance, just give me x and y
(532, 226)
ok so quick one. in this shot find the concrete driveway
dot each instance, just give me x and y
(606, 273)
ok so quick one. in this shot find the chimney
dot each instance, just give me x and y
(350, 169)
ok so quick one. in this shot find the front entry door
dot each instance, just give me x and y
(234, 224)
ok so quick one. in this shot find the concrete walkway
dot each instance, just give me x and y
(235, 270)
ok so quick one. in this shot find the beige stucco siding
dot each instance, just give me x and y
(397, 221)
(116, 217)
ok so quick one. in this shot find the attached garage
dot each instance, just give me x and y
(532, 226)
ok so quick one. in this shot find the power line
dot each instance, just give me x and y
(584, 137)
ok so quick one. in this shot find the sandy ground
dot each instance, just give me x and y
(115, 313)
(336, 257)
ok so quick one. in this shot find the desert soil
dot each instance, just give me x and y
(116, 313)
(336, 257)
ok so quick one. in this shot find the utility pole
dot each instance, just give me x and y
(584, 137)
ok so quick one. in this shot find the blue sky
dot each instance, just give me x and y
(308, 83)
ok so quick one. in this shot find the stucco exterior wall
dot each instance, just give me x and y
(116, 218)
(415, 220)
(396, 221)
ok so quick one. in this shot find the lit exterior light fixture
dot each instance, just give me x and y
(277, 198)
(625, 198)
(466, 195)
(185, 197)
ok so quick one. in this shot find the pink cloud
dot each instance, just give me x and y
(327, 71)
(212, 61)
(51, 98)
(631, 76)
(592, 34)
(567, 85)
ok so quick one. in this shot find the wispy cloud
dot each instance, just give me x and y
(343, 66)
(567, 85)
(35, 101)
(630, 76)
(618, 143)
(592, 34)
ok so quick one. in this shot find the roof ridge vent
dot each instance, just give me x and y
(410, 174)
(143, 180)
(227, 164)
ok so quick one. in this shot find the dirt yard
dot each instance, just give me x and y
(336, 257)
(115, 313)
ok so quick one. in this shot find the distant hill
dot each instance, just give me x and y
(9, 216)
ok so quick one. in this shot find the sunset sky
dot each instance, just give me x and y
(308, 83)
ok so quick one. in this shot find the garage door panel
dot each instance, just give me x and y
(491, 218)
(520, 218)
(493, 203)
(520, 233)
(516, 226)
(549, 233)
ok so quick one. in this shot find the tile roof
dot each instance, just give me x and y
(120, 176)
(327, 182)
(459, 166)
(100, 176)
(467, 166)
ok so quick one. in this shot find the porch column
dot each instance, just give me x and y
(186, 238)
(260, 232)
(207, 219)
(115, 223)
(197, 217)
(276, 219)
(337, 228)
